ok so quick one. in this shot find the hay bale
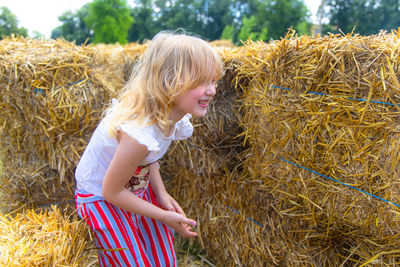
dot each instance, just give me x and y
(30, 184)
(112, 63)
(222, 43)
(295, 100)
(45, 238)
(49, 107)
(302, 105)
(300, 101)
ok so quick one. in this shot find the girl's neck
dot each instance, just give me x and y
(175, 116)
(168, 130)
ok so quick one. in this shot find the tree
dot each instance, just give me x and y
(9, 24)
(364, 16)
(37, 35)
(281, 15)
(388, 14)
(73, 26)
(215, 19)
(185, 14)
(206, 18)
(343, 13)
(251, 30)
(219, 14)
(228, 33)
(110, 21)
(144, 25)
(269, 19)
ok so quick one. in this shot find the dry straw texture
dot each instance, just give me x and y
(53, 96)
(45, 112)
(301, 102)
(113, 63)
(335, 134)
(312, 101)
(45, 238)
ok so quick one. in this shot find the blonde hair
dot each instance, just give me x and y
(172, 65)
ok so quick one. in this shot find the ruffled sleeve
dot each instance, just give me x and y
(184, 128)
(142, 134)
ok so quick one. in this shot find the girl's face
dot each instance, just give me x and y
(194, 101)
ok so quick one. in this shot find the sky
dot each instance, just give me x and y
(42, 15)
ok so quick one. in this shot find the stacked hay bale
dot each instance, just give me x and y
(45, 113)
(112, 63)
(54, 93)
(282, 109)
(46, 238)
(309, 105)
(47, 106)
(314, 105)
(222, 43)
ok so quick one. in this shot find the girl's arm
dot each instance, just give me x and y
(157, 185)
(128, 156)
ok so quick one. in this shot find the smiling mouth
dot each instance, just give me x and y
(203, 103)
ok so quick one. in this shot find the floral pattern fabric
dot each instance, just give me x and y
(139, 181)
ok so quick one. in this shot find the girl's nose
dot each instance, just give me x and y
(211, 89)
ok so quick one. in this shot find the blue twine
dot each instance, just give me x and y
(41, 91)
(74, 82)
(365, 192)
(351, 98)
(280, 87)
(335, 180)
(254, 221)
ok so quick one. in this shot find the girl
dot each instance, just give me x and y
(120, 193)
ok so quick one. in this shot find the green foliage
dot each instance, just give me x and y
(268, 19)
(186, 14)
(110, 21)
(206, 18)
(227, 33)
(144, 27)
(252, 29)
(9, 24)
(73, 26)
(38, 35)
(303, 27)
(219, 13)
(281, 15)
(388, 14)
(364, 16)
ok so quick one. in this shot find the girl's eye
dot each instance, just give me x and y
(213, 83)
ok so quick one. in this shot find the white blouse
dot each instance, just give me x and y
(98, 154)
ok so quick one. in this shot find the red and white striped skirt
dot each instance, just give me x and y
(124, 238)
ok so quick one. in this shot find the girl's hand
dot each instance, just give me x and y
(169, 203)
(180, 223)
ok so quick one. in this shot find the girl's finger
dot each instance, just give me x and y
(187, 232)
(177, 207)
(187, 226)
(190, 222)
